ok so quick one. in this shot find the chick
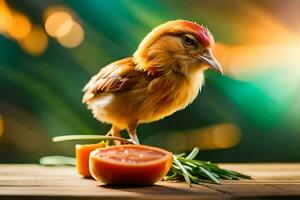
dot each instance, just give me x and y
(164, 75)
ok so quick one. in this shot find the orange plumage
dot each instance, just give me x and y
(164, 75)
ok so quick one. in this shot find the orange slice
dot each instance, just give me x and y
(82, 157)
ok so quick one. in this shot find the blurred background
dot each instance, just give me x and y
(49, 49)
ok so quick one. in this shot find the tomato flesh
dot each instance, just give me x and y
(130, 155)
(130, 164)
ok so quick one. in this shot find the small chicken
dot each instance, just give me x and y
(164, 75)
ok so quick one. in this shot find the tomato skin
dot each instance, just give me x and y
(82, 153)
(113, 172)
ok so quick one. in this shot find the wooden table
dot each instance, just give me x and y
(34, 181)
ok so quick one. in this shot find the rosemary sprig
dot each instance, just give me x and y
(195, 171)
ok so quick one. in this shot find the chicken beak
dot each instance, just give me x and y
(210, 60)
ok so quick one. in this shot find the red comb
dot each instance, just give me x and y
(201, 33)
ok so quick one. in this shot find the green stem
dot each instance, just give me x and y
(210, 175)
(193, 154)
(90, 137)
(184, 172)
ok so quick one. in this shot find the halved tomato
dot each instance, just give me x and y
(130, 164)
(82, 157)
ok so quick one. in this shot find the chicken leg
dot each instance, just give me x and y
(132, 132)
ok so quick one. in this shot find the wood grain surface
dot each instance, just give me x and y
(270, 181)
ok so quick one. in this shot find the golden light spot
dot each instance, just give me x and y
(19, 27)
(64, 28)
(1, 126)
(73, 38)
(55, 9)
(263, 43)
(219, 136)
(245, 62)
(225, 136)
(58, 24)
(36, 42)
(5, 17)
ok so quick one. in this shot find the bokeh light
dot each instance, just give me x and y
(19, 27)
(58, 24)
(57, 8)
(5, 17)
(36, 42)
(219, 136)
(61, 24)
(73, 38)
(223, 136)
(1, 125)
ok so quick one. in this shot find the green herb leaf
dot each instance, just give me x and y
(193, 154)
(184, 172)
(57, 160)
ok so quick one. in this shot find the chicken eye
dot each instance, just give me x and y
(188, 40)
